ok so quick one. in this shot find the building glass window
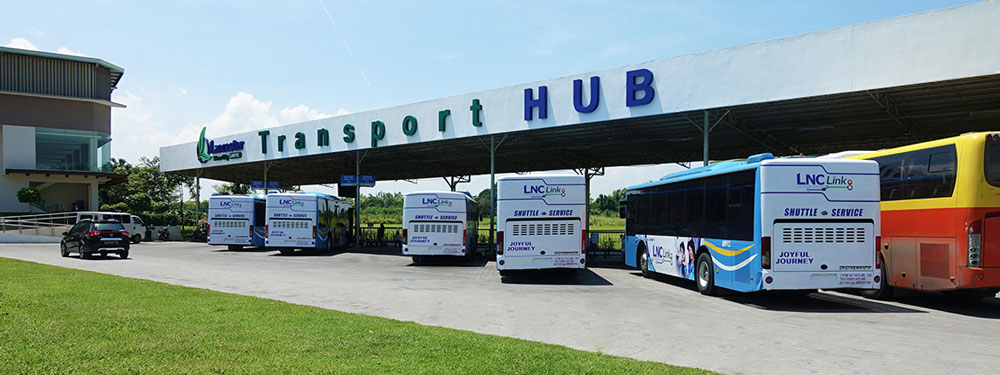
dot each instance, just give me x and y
(72, 150)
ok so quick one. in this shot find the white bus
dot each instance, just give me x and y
(306, 221)
(760, 224)
(236, 220)
(439, 223)
(540, 223)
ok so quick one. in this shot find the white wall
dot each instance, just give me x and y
(18, 147)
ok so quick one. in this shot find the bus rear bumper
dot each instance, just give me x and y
(422, 251)
(541, 262)
(820, 280)
(976, 277)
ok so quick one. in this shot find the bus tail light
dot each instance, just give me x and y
(314, 232)
(499, 242)
(583, 242)
(405, 239)
(251, 231)
(465, 233)
(975, 240)
(878, 259)
(267, 232)
(765, 253)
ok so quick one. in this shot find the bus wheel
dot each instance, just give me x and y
(884, 291)
(644, 263)
(235, 247)
(418, 259)
(705, 275)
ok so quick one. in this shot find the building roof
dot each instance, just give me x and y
(69, 76)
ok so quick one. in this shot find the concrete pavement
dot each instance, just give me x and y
(611, 310)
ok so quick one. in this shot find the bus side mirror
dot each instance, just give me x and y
(622, 210)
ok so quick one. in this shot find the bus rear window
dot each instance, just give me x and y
(991, 162)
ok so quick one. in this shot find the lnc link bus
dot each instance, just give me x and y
(306, 221)
(941, 215)
(540, 223)
(236, 220)
(440, 223)
(760, 224)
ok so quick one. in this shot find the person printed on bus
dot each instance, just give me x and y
(690, 258)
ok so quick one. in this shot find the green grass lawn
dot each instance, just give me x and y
(55, 320)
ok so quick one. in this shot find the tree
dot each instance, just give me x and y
(231, 188)
(149, 193)
(29, 195)
(607, 205)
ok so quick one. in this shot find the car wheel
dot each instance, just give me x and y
(705, 275)
(123, 254)
(644, 263)
(136, 238)
(63, 250)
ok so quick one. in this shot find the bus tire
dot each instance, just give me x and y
(884, 291)
(504, 273)
(643, 262)
(704, 275)
(235, 247)
(418, 259)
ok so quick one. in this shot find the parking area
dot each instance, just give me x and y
(607, 309)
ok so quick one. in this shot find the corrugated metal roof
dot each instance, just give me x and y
(44, 73)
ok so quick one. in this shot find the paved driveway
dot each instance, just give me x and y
(611, 310)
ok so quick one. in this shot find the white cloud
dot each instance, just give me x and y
(21, 43)
(300, 113)
(178, 90)
(143, 127)
(67, 51)
(341, 112)
(36, 32)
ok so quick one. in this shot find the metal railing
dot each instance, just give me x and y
(53, 224)
(603, 242)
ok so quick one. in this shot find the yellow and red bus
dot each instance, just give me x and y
(941, 215)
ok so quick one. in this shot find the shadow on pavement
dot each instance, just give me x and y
(98, 257)
(792, 301)
(244, 250)
(449, 261)
(988, 308)
(556, 277)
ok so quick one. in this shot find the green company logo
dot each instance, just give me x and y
(203, 155)
(208, 150)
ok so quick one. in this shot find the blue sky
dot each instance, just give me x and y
(240, 65)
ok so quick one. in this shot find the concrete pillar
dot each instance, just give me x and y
(92, 199)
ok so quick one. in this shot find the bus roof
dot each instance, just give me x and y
(450, 194)
(921, 145)
(319, 195)
(709, 170)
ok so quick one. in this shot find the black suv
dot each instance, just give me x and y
(89, 237)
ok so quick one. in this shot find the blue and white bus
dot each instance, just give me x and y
(236, 220)
(440, 223)
(306, 221)
(760, 224)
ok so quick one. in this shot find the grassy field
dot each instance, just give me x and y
(56, 321)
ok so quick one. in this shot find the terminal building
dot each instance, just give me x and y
(55, 112)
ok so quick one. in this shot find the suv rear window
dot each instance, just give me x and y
(991, 162)
(109, 226)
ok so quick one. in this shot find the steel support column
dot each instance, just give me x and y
(493, 146)
(357, 199)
